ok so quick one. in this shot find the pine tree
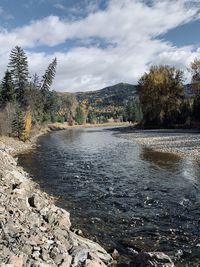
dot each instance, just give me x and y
(18, 67)
(7, 91)
(47, 81)
(18, 124)
(49, 75)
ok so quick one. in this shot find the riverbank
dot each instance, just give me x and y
(180, 142)
(34, 231)
(63, 126)
(15, 146)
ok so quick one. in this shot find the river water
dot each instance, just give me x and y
(121, 194)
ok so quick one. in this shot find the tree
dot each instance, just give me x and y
(7, 113)
(18, 66)
(46, 83)
(195, 70)
(80, 117)
(26, 126)
(18, 124)
(133, 112)
(34, 100)
(47, 78)
(129, 112)
(8, 90)
(91, 118)
(161, 93)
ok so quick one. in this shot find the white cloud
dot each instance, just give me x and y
(129, 26)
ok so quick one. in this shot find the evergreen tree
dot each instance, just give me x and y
(18, 124)
(49, 75)
(47, 81)
(18, 66)
(80, 117)
(7, 91)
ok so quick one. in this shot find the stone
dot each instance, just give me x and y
(115, 254)
(35, 254)
(54, 252)
(153, 259)
(27, 249)
(66, 261)
(79, 255)
(59, 217)
(37, 202)
(16, 261)
(44, 254)
(93, 247)
(94, 263)
(58, 259)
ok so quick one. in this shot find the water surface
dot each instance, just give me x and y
(121, 194)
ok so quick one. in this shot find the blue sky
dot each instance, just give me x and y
(100, 42)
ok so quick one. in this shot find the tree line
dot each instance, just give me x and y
(27, 101)
(162, 100)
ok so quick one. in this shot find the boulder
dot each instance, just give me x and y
(151, 259)
(16, 261)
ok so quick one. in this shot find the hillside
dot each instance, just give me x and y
(106, 103)
(109, 101)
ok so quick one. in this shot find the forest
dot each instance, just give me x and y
(159, 100)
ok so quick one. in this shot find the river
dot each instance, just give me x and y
(120, 193)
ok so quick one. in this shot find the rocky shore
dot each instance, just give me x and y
(179, 142)
(33, 231)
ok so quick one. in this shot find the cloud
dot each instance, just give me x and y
(60, 6)
(127, 32)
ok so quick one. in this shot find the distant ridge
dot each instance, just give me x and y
(109, 100)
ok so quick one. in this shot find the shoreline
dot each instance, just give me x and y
(180, 142)
(32, 213)
(34, 231)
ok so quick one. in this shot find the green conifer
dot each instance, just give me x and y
(8, 90)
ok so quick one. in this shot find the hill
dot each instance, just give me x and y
(108, 102)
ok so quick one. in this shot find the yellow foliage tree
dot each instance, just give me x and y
(161, 93)
(27, 126)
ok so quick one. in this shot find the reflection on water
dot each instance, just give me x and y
(162, 160)
(120, 193)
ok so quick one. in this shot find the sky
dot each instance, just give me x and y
(100, 42)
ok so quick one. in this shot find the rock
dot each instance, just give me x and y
(54, 252)
(93, 247)
(27, 249)
(151, 259)
(37, 202)
(66, 261)
(79, 255)
(59, 217)
(115, 254)
(35, 255)
(16, 261)
(94, 263)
